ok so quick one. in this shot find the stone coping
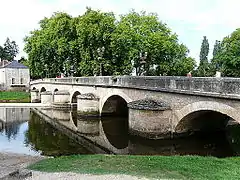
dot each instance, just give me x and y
(61, 93)
(88, 96)
(46, 93)
(149, 104)
(201, 86)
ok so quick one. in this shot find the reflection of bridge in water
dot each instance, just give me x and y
(99, 136)
(110, 135)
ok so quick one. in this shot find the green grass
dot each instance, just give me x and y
(167, 167)
(12, 96)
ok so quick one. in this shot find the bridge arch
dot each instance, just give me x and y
(43, 89)
(73, 96)
(115, 104)
(204, 113)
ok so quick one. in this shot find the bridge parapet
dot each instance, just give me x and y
(211, 86)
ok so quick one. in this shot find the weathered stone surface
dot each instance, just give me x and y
(179, 95)
(149, 104)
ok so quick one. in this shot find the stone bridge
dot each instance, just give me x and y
(156, 107)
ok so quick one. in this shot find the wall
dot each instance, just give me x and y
(17, 74)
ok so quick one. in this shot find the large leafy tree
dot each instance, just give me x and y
(97, 44)
(228, 58)
(52, 46)
(143, 43)
(94, 30)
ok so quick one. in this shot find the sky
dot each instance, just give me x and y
(189, 19)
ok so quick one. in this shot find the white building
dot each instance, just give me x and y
(13, 74)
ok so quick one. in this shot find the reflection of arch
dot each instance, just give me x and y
(116, 131)
(33, 88)
(43, 89)
(74, 97)
(197, 114)
(115, 105)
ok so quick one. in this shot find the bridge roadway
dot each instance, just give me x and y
(157, 107)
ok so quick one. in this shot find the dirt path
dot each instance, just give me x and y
(73, 176)
(11, 163)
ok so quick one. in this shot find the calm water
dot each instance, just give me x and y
(54, 132)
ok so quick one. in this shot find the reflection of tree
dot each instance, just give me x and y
(11, 129)
(43, 137)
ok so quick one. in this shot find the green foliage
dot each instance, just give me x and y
(203, 68)
(157, 167)
(228, 59)
(216, 48)
(97, 44)
(9, 50)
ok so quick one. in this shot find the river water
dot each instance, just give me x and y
(56, 132)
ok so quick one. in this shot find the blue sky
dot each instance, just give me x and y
(190, 19)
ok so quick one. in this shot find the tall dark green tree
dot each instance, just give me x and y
(216, 48)
(10, 50)
(203, 68)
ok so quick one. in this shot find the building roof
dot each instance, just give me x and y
(14, 64)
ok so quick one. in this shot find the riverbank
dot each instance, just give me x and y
(14, 97)
(160, 167)
(12, 164)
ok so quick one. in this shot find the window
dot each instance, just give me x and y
(13, 80)
(21, 81)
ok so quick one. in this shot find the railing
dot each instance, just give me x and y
(223, 87)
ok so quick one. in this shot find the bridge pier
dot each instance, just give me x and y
(88, 105)
(35, 96)
(61, 99)
(46, 97)
(150, 119)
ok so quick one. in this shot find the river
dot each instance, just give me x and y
(51, 132)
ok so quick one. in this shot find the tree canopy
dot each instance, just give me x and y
(9, 50)
(228, 57)
(96, 43)
(203, 68)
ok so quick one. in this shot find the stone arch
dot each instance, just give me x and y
(73, 97)
(33, 88)
(115, 104)
(43, 89)
(204, 109)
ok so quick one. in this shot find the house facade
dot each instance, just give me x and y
(13, 74)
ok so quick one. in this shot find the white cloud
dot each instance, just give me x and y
(190, 19)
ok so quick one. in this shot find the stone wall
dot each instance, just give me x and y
(17, 74)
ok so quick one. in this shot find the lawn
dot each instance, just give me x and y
(164, 167)
(12, 96)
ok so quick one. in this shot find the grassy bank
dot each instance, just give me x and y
(11, 96)
(167, 167)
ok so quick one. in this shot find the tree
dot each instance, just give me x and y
(228, 57)
(141, 41)
(97, 44)
(10, 50)
(217, 48)
(94, 30)
(51, 46)
(203, 66)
